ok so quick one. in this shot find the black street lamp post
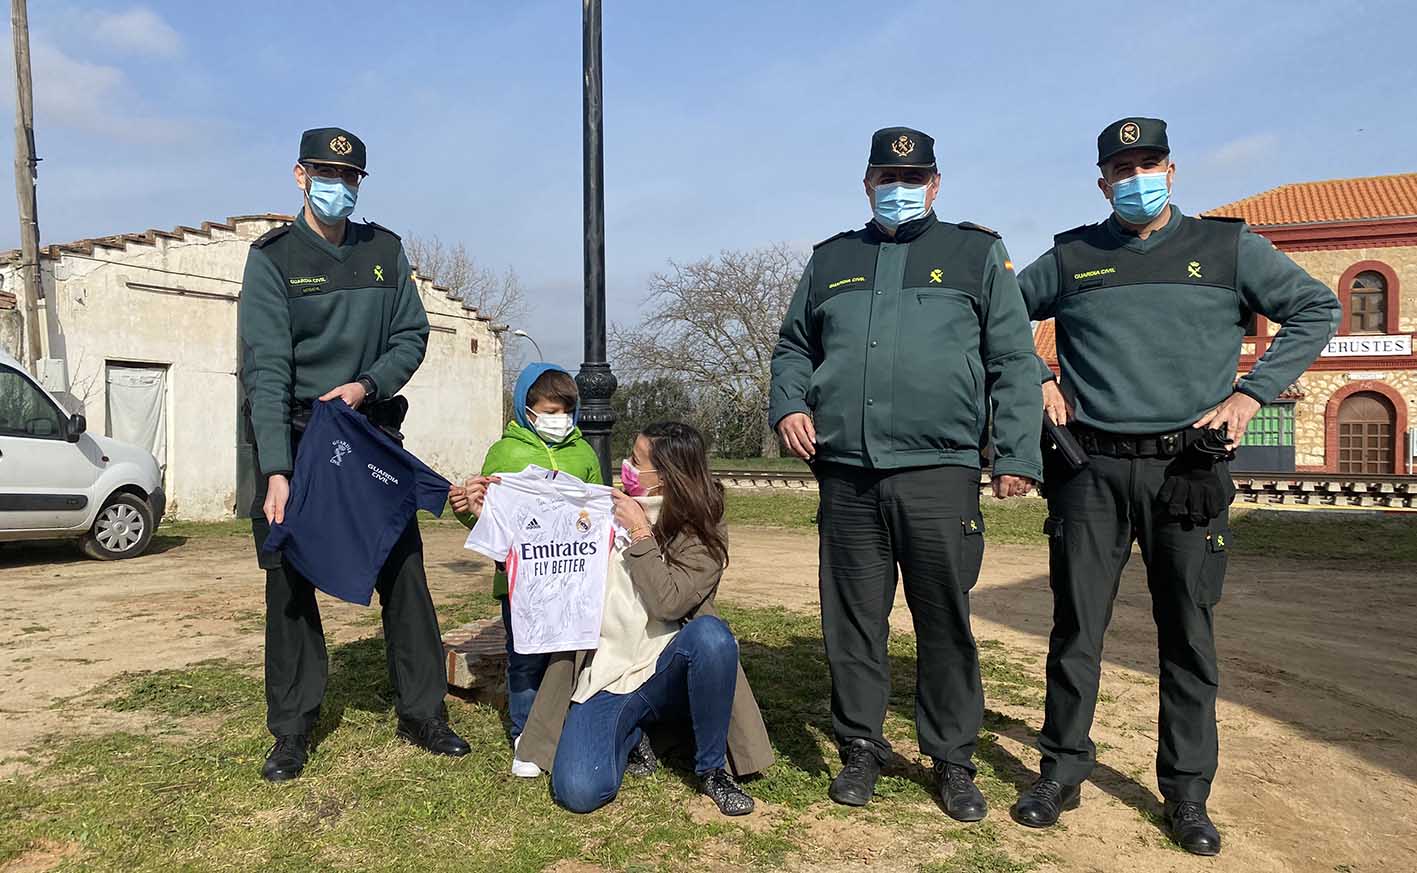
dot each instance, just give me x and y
(596, 382)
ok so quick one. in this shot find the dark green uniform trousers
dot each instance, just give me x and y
(297, 665)
(1095, 515)
(927, 522)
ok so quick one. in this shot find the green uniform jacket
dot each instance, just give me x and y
(313, 316)
(1149, 331)
(521, 447)
(902, 349)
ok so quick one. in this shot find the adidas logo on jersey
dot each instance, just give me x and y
(533, 525)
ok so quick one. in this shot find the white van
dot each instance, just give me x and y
(58, 481)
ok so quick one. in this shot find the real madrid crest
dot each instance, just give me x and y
(1129, 133)
(903, 146)
(583, 522)
(341, 146)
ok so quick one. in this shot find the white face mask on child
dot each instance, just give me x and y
(553, 427)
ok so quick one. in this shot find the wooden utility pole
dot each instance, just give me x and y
(26, 169)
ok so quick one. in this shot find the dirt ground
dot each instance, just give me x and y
(1317, 714)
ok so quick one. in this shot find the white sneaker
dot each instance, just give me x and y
(524, 769)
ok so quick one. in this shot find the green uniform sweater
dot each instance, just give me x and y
(313, 316)
(1149, 330)
(904, 349)
(521, 447)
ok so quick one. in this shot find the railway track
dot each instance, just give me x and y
(1276, 490)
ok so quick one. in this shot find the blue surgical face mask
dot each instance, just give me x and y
(331, 200)
(896, 203)
(1140, 198)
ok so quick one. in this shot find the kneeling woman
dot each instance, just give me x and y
(664, 657)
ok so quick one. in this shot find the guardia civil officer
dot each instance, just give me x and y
(329, 311)
(903, 340)
(1150, 308)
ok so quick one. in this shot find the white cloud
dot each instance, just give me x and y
(1243, 150)
(138, 30)
(90, 98)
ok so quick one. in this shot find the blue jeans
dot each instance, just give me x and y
(695, 679)
(524, 674)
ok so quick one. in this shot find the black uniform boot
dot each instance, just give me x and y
(434, 735)
(286, 758)
(1191, 828)
(1040, 806)
(856, 782)
(961, 797)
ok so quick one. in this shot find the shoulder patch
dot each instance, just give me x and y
(270, 236)
(384, 229)
(832, 238)
(969, 225)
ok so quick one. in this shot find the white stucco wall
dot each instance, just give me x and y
(119, 309)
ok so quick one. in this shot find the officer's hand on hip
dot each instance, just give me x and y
(799, 434)
(277, 493)
(1012, 486)
(1055, 405)
(1235, 412)
(352, 393)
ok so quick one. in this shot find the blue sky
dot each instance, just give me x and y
(727, 124)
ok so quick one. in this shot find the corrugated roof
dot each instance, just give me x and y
(1370, 197)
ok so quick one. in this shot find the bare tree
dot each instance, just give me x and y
(498, 296)
(713, 324)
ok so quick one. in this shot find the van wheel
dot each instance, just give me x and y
(123, 529)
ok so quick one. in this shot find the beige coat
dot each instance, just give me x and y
(681, 592)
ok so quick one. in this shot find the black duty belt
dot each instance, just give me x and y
(1116, 445)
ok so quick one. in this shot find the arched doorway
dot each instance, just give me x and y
(1367, 427)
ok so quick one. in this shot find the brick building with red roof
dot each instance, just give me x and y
(1352, 410)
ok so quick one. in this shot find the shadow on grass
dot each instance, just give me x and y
(786, 665)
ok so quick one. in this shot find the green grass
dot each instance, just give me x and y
(159, 800)
(782, 508)
(1008, 521)
(1329, 536)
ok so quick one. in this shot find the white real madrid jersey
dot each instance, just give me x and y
(555, 534)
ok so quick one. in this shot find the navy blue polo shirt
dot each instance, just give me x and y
(354, 493)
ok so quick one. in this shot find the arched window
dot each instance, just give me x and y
(1366, 425)
(1367, 303)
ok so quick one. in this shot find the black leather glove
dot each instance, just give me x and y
(1198, 486)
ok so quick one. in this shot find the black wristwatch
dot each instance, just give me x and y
(370, 389)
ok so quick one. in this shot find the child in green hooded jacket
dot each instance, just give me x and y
(545, 405)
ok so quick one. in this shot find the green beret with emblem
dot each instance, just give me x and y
(332, 145)
(901, 147)
(1125, 134)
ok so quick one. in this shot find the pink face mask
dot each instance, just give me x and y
(630, 479)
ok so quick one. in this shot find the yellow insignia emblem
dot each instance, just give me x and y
(903, 146)
(973, 525)
(378, 273)
(341, 146)
(1129, 133)
(1220, 541)
(1193, 269)
(937, 276)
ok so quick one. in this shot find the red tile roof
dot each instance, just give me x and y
(1045, 342)
(1370, 197)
